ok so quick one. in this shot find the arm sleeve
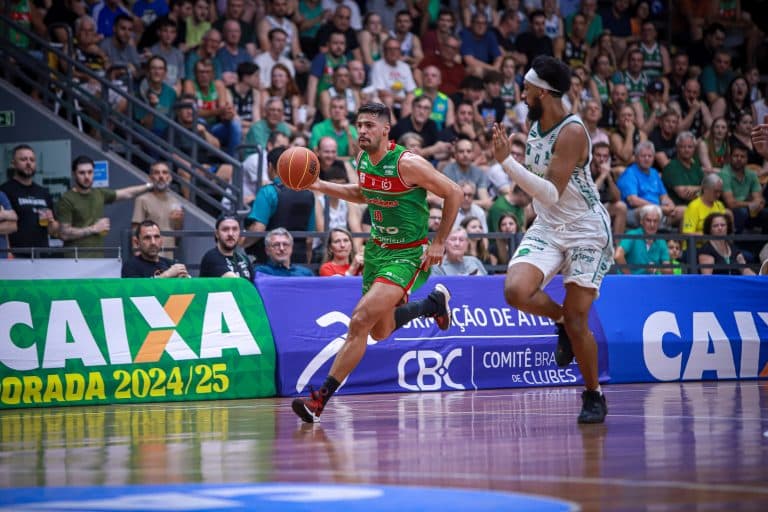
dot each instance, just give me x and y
(541, 189)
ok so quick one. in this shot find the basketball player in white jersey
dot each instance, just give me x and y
(572, 230)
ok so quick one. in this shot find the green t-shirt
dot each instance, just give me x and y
(83, 210)
(325, 129)
(501, 206)
(742, 189)
(675, 175)
(399, 212)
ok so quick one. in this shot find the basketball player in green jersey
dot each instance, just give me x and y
(572, 230)
(394, 183)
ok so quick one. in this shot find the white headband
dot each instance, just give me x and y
(534, 79)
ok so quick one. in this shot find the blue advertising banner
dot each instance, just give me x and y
(490, 344)
(685, 327)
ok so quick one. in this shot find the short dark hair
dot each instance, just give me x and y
(375, 109)
(19, 148)
(226, 216)
(245, 69)
(274, 155)
(601, 144)
(493, 77)
(166, 22)
(80, 160)
(737, 144)
(121, 17)
(536, 14)
(474, 83)
(143, 224)
(275, 31)
(553, 71)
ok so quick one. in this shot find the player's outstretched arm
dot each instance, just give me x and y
(346, 191)
(415, 170)
(570, 149)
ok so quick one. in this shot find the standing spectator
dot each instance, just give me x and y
(8, 223)
(119, 48)
(279, 247)
(742, 193)
(246, 95)
(391, 77)
(462, 168)
(232, 53)
(640, 184)
(456, 262)
(341, 258)
(31, 202)
(278, 206)
(160, 206)
(154, 90)
(682, 177)
(174, 58)
(721, 256)
(273, 54)
(448, 61)
(214, 106)
(707, 202)
(272, 122)
(647, 255)
(338, 128)
(226, 259)
(81, 209)
(610, 196)
(148, 262)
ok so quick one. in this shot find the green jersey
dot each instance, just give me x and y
(399, 211)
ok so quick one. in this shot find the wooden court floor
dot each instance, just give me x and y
(691, 446)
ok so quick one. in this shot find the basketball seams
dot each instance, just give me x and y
(306, 177)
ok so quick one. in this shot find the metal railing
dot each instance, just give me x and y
(62, 91)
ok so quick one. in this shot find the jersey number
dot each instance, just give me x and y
(377, 216)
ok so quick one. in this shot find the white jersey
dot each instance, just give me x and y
(580, 200)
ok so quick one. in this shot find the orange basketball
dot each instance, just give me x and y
(298, 168)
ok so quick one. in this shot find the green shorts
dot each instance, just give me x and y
(395, 266)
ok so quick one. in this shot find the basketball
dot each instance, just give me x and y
(298, 168)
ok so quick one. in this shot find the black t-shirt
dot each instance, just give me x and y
(428, 132)
(136, 266)
(215, 264)
(534, 46)
(26, 200)
(666, 146)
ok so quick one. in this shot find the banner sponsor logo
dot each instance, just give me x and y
(97, 341)
(433, 370)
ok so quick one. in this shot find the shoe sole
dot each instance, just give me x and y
(302, 412)
(446, 325)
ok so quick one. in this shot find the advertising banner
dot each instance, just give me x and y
(78, 342)
(685, 327)
(490, 344)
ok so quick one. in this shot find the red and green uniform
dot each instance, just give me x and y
(399, 219)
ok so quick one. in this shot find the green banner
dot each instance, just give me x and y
(78, 342)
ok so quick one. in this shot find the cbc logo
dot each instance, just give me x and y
(432, 368)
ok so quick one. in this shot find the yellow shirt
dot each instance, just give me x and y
(696, 212)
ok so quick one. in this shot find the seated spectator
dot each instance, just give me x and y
(515, 201)
(696, 116)
(617, 19)
(468, 207)
(465, 127)
(742, 193)
(610, 196)
(479, 46)
(650, 107)
(232, 53)
(338, 128)
(340, 258)
(664, 138)
(283, 87)
(226, 259)
(81, 209)
(633, 77)
(332, 212)
(626, 138)
(612, 110)
(644, 255)
(504, 248)
(32, 203)
(392, 78)
(435, 216)
(593, 19)
(205, 51)
(324, 65)
(279, 247)
(742, 134)
(235, 11)
(199, 23)
(591, 112)
(536, 42)
(8, 224)
(721, 256)
(707, 202)
(410, 43)
(119, 48)
(148, 262)
(448, 61)
(682, 177)
(442, 107)
(154, 90)
(419, 122)
(462, 168)
(640, 184)
(215, 106)
(105, 13)
(477, 247)
(173, 56)
(246, 94)
(371, 38)
(600, 82)
(714, 150)
(734, 103)
(716, 77)
(675, 253)
(341, 87)
(456, 262)
(274, 115)
(327, 152)
(274, 54)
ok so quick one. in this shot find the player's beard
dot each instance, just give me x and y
(536, 110)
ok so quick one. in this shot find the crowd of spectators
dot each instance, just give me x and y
(670, 108)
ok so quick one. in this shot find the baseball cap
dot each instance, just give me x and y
(655, 86)
(226, 216)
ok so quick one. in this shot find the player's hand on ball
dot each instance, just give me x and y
(501, 146)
